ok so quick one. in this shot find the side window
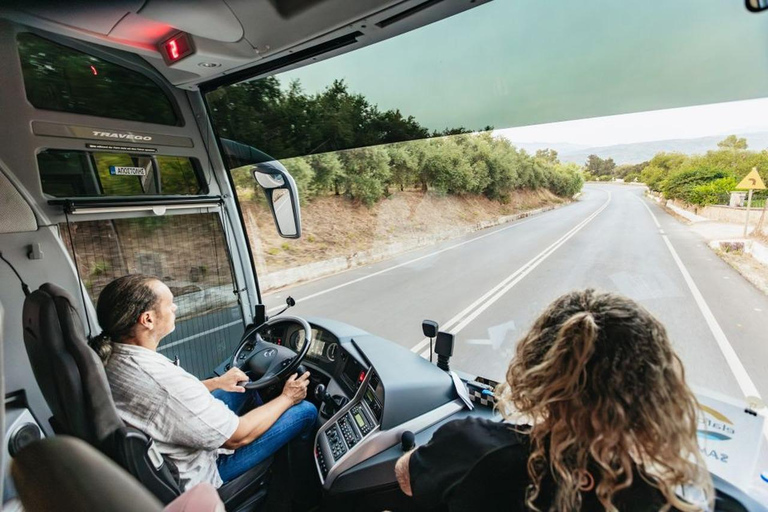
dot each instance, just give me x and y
(178, 175)
(60, 78)
(189, 253)
(65, 173)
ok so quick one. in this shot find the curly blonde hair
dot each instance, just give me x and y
(598, 379)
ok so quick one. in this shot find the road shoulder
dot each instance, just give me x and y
(748, 256)
(733, 253)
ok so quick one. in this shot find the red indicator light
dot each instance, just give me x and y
(361, 378)
(173, 49)
(93, 69)
(177, 47)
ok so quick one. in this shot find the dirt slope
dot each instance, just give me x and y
(333, 226)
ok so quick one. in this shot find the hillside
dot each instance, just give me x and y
(642, 151)
(334, 226)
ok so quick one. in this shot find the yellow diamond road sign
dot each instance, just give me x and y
(751, 182)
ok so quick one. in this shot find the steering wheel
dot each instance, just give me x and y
(268, 362)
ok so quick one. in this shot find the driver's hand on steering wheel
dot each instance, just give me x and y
(231, 380)
(295, 388)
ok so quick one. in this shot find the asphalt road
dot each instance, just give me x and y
(488, 288)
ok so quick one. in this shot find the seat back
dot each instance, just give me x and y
(54, 339)
(65, 474)
(74, 384)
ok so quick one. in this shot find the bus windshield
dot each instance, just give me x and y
(477, 168)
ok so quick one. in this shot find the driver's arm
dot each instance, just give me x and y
(254, 423)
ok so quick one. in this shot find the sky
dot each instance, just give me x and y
(679, 123)
(513, 63)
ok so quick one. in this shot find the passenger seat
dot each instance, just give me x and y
(66, 474)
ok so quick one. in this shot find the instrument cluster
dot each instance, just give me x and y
(325, 346)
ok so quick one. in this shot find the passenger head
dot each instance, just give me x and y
(598, 379)
(135, 309)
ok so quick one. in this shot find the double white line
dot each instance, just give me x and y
(458, 322)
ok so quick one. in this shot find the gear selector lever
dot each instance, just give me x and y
(322, 395)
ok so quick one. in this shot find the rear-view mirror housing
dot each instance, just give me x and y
(756, 5)
(282, 196)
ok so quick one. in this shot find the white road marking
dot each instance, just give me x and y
(414, 260)
(458, 322)
(745, 383)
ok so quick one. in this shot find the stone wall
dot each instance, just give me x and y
(733, 215)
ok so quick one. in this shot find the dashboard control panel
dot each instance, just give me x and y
(354, 422)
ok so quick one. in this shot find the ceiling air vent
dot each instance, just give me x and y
(288, 60)
(407, 13)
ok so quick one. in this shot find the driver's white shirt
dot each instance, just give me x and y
(174, 408)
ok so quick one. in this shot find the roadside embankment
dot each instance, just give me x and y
(338, 235)
(748, 257)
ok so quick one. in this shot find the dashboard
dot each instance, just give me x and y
(370, 383)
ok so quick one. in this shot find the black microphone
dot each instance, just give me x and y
(407, 441)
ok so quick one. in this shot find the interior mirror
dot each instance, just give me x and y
(757, 5)
(282, 197)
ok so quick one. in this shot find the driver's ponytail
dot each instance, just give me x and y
(102, 345)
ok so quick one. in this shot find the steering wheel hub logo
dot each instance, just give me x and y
(269, 353)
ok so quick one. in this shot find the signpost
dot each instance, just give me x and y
(751, 181)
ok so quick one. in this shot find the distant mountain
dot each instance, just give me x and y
(565, 147)
(641, 151)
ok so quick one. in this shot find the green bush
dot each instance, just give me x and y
(565, 182)
(714, 192)
(366, 189)
(660, 167)
(632, 177)
(366, 173)
(681, 184)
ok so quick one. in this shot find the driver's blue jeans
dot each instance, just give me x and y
(296, 421)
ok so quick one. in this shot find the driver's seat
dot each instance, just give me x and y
(74, 384)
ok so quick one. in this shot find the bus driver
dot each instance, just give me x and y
(191, 421)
